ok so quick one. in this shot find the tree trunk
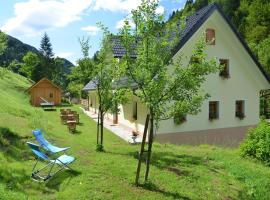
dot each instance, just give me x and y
(98, 128)
(150, 142)
(101, 129)
(142, 151)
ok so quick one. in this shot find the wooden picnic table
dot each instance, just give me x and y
(71, 125)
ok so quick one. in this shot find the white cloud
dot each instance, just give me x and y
(116, 5)
(160, 10)
(92, 30)
(36, 16)
(33, 17)
(121, 23)
(120, 5)
(64, 54)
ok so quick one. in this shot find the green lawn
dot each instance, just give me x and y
(177, 172)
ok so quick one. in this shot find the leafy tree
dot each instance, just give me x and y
(105, 73)
(263, 50)
(164, 85)
(58, 74)
(3, 42)
(31, 63)
(15, 66)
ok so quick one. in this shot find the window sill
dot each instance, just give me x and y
(241, 118)
(212, 119)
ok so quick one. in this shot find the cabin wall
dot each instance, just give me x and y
(47, 91)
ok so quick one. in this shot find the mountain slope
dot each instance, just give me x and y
(17, 49)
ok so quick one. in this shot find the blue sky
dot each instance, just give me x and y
(67, 20)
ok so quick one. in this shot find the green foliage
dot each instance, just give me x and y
(263, 49)
(3, 42)
(85, 46)
(15, 66)
(257, 143)
(31, 63)
(75, 89)
(81, 74)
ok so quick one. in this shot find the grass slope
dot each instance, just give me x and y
(177, 172)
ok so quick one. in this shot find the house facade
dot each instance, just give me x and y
(235, 91)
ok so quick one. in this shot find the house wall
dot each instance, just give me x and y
(245, 83)
(44, 89)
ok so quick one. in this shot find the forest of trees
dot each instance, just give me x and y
(250, 17)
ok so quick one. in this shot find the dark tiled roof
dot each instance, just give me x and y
(123, 82)
(191, 21)
(194, 19)
(90, 86)
(118, 50)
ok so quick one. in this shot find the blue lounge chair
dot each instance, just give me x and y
(62, 161)
(45, 144)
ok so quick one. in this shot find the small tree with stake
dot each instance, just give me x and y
(105, 73)
(166, 86)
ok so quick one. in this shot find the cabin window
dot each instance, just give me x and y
(210, 36)
(179, 119)
(51, 95)
(240, 109)
(224, 72)
(135, 110)
(213, 110)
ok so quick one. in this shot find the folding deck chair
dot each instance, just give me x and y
(62, 161)
(45, 144)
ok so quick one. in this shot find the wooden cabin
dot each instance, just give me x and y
(44, 90)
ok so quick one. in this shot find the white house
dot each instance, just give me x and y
(235, 92)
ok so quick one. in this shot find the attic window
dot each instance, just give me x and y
(225, 68)
(210, 36)
(51, 95)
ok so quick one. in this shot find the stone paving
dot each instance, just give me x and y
(120, 130)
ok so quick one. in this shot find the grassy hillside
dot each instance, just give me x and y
(177, 172)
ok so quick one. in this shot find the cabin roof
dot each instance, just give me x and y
(41, 80)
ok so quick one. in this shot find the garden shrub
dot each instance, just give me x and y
(257, 143)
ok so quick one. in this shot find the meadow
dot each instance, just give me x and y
(177, 172)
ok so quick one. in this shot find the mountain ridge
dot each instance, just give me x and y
(16, 50)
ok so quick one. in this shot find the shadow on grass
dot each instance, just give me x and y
(152, 187)
(12, 145)
(76, 132)
(55, 182)
(168, 160)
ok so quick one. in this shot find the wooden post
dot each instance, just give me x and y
(150, 142)
(142, 151)
(98, 130)
(101, 129)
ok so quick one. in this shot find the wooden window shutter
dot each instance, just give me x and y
(210, 36)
